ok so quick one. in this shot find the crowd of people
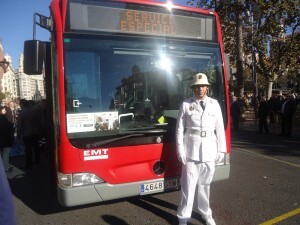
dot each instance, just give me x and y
(200, 142)
(278, 109)
(21, 123)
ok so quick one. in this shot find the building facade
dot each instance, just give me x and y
(9, 81)
(15, 84)
(2, 65)
(31, 87)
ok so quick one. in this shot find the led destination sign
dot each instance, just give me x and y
(118, 20)
(146, 22)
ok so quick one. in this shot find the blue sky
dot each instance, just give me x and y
(17, 24)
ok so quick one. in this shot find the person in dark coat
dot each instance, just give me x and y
(263, 112)
(287, 112)
(29, 129)
(6, 138)
(11, 112)
(274, 106)
(235, 111)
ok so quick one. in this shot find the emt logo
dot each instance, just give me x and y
(94, 154)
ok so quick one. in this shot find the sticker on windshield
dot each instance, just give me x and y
(87, 122)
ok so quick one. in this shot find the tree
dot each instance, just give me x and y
(233, 19)
(264, 25)
(276, 39)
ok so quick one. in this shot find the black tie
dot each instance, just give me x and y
(202, 105)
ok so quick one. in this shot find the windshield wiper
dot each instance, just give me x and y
(144, 130)
(137, 132)
(99, 143)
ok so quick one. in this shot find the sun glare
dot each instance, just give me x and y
(169, 5)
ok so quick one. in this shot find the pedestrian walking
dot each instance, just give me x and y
(200, 140)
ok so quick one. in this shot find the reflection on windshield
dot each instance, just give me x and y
(113, 86)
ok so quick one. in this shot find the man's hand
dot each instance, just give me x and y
(220, 157)
(181, 158)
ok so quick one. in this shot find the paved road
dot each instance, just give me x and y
(263, 186)
(273, 172)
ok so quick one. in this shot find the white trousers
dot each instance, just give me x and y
(195, 174)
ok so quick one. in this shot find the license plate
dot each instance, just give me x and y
(159, 186)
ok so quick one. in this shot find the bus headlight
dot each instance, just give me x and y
(80, 179)
(77, 179)
(64, 180)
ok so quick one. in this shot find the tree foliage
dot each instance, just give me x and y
(271, 26)
(277, 40)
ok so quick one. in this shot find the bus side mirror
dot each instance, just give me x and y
(33, 57)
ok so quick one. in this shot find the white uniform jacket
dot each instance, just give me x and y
(200, 134)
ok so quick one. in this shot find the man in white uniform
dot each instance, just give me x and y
(200, 140)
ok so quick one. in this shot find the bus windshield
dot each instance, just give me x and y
(117, 85)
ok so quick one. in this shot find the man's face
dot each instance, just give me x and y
(200, 91)
(11, 105)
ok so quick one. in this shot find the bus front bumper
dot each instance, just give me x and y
(104, 192)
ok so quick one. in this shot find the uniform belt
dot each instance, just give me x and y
(201, 133)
